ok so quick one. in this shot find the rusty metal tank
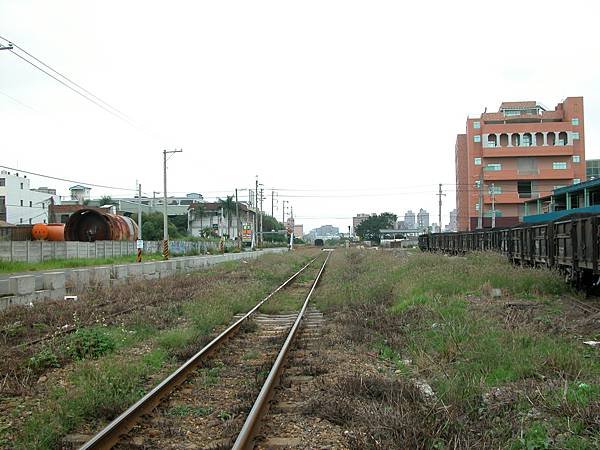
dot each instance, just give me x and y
(89, 225)
(48, 232)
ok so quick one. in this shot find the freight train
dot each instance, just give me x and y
(570, 245)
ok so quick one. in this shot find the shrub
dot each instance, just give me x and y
(90, 343)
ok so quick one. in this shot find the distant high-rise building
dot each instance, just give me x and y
(409, 219)
(358, 219)
(453, 223)
(422, 219)
(522, 151)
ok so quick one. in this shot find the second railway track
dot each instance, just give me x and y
(209, 401)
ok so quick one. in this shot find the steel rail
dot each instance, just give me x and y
(111, 434)
(245, 439)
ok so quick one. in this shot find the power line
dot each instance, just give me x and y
(75, 90)
(116, 188)
(66, 78)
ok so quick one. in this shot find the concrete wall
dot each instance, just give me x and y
(27, 289)
(36, 251)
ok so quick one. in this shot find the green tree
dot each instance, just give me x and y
(107, 200)
(152, 227)
(369, 228)
(270, 223)
(228, 207)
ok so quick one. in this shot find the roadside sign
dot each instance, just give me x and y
(139, 244)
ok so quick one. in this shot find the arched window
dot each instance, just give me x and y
(527, 140)
(515, 139)
(503, 140)
(539, 139)
(492, 140)
(551, 137)
(562, 138)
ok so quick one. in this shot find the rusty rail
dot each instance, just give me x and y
(245, 439)
(111, 434)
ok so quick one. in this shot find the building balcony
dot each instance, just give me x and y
(537, 174)
(534, 150)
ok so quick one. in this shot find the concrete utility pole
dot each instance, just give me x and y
(272, 203)
(493, 194)
(238, 220)
(139, 250)
(165, 218)
(261, 217)
(257, 242)
(283, 215)
(480, 218)
(439, 194)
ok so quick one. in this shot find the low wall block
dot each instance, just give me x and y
(78, 278)
(54, 280)
(100, 276)
(120, 272)
(22, 284)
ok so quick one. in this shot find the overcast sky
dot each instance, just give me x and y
(342, 106)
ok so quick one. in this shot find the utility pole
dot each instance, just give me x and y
(439, 194)
(255, 231)
(493, 194)
(272, 203)
(165, 218)
(480, 218)
(283, 215)
(140, 241)
(261, 217)
(154, 200)
(237, 218)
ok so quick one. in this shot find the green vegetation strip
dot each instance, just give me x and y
(508, 381)
(109, 375)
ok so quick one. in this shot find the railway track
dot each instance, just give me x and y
(194, 396)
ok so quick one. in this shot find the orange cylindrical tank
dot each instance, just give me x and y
(40, 232)
(48, 232)
(56, 231)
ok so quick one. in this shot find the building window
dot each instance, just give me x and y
(495, 190)
(559, 165)
(477, 125)
(476, 206)
(477, 138)
(575, 158)
(576, 180)
(491, 140)
(575, 135)
(21, 202)
(30, 204)
(21, 185)
(2, 181)
(493, 167)
(477, 161)
(527, 138)
(524, 188)
(562, 138)
(575, 121)
(21, 220)
(30, 221)
(478, 184)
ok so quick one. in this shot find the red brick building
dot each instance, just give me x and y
(523, 151)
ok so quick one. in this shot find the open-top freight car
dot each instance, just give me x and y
(570, 245)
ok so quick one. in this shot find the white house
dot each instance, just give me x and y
(19, 204)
